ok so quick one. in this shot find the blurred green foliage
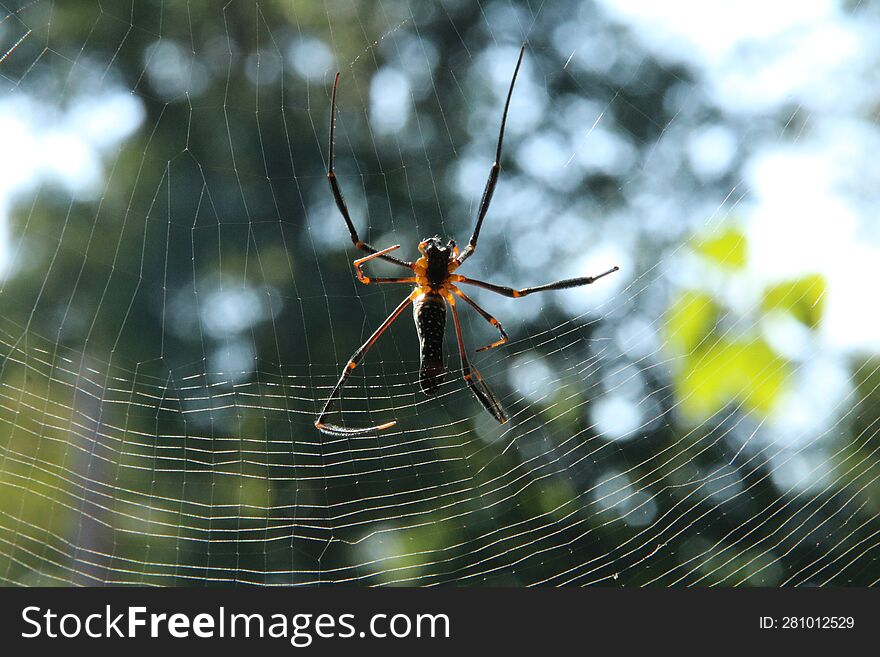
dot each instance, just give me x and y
(718, 366)
(803, 298)
(727, 249)
(726, 371)
(690, 320)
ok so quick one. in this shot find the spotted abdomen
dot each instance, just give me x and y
(429, 311)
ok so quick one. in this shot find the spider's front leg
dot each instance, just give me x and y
(489, 190)
(337, 192)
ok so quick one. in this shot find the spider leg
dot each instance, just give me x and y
(481, 391)
(357, 356)
(515, 294)
(494, 171)
(366, 280)
(494, 322)
(337, 192)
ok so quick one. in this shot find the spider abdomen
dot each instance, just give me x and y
(429, 312)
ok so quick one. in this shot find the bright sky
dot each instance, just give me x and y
(804, 211)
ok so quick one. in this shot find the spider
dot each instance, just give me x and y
(435, 286)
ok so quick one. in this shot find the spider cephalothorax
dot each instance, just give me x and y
(434, 288)
(436, 264)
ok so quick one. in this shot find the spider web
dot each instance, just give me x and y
(178, 298)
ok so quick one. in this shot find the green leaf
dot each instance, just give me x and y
(803, 298)
(690, 319)
(746, 372)
(727, 249)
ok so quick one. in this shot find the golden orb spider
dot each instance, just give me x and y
(435, 287)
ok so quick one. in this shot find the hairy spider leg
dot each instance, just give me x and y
(516, 294)
(494, 171)
(494, 322)
(471, 376)
(337, 192)
(356, 358)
